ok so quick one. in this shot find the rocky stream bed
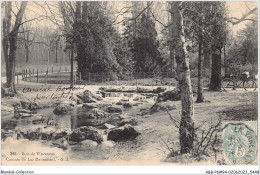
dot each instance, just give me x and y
(101, 120)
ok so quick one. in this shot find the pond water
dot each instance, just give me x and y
(74, 119)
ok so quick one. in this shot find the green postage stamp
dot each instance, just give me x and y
(240, 142)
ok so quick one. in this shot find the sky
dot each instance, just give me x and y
(236, 9)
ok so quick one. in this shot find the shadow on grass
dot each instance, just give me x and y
(241, 113)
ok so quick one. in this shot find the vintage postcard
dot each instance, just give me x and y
(129, 83)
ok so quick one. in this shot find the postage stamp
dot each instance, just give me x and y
(240, 142)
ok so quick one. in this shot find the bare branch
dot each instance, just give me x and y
(237, 19)
(132, 19)
(234, 20)
(33, 42)
(158, 20)
(121, 14)
(37, 18)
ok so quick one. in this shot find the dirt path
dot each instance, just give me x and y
(157, 130)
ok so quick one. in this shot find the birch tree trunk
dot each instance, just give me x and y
(183, 71)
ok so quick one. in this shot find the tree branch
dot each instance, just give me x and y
(37, 18)
(132, 19)
(158, 20)
(234, 20)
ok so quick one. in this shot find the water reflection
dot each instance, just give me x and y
(74, 119)
(9, 124)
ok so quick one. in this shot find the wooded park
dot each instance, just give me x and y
(129, 81)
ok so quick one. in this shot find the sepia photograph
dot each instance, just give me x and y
(129, 83)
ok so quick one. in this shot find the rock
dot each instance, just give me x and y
(99, 92)
(143, 90)
(59, 102)
(124, 99)
(144, 112)
(59, 134)
(110, 89)
(136, 104)
(139, 98)
(109, 126)
(47, 133)
(115, 116)
(86, 132)
(32, 134)
(125, 132)
(121, 117)
(101, 106)
(112, 109)
(60, 143)
(174, 95)
(162, 106)
(89, 97)
(107, 144)
(127, 105)
(89, 105)
(24, 115)
(19, 112)
(25, 111)
(29, 105)
(131, 121)
(89, 143)
(119, 103)
(159, 90)
(146, 90)
(146, 116)
(62, 109)
(104, 106)
(96, 113)
(44, 105)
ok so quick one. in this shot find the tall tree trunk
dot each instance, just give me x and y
(12, 41)
(6, 31)
(71, 68)
(11, 72)
(200, 97)
(27, 47)
(183, 71)
(56, 53)
(215, 81)
(225, 60)
(172, 54)
(172, 58)
(27, 53)
(206, 62)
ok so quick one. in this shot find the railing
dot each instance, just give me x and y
(62, 76)
(47, 75)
